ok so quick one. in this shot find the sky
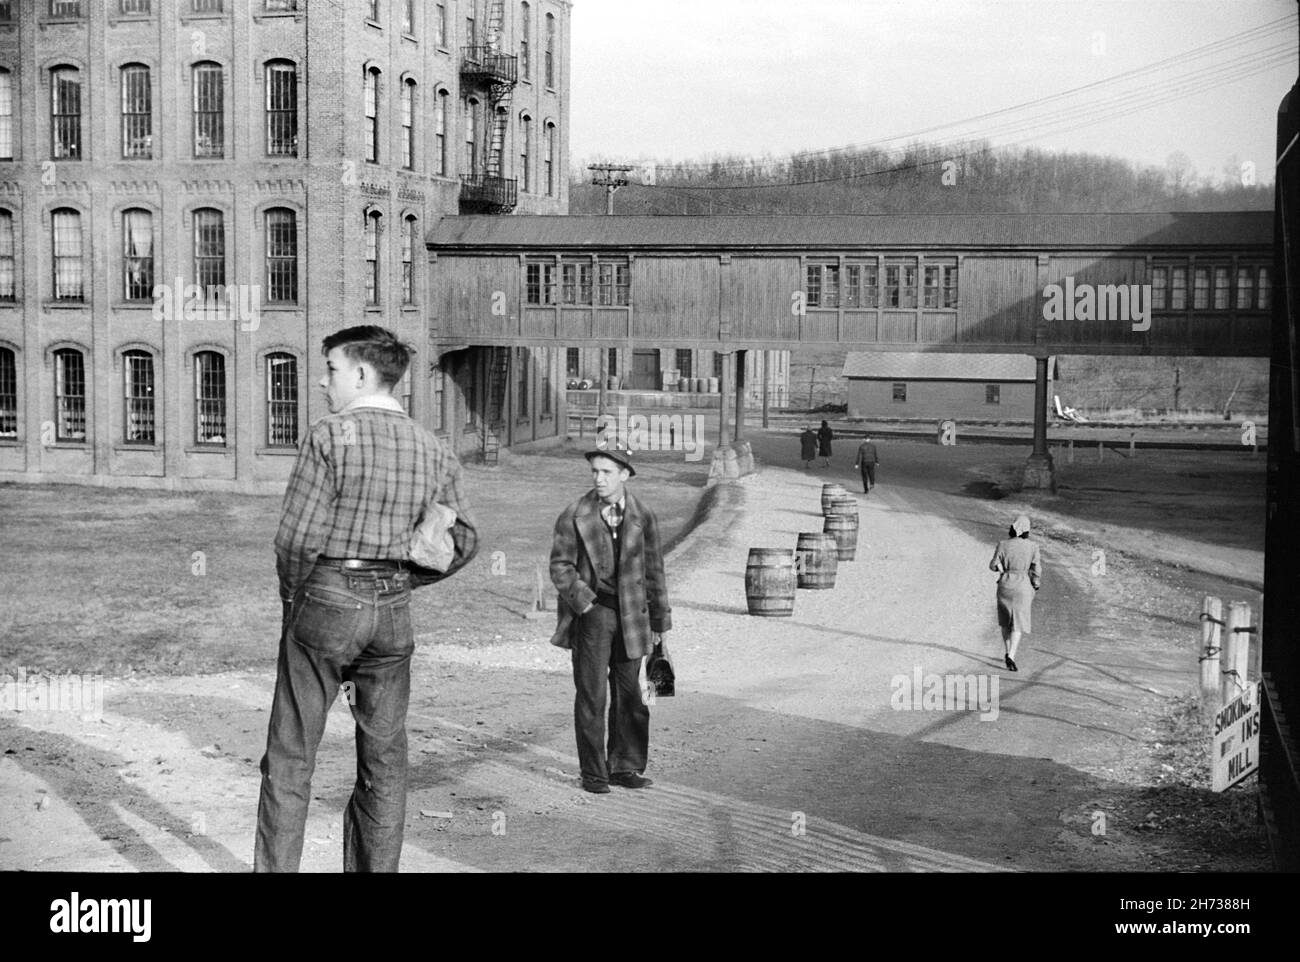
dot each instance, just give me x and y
(694, 79)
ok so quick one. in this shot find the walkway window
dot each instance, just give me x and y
(1160, 288)
(572, 361)
(137, 113)
(281, 109)
(992, 393)
(615, 281)
(941, 285)
(137, 255)
(69, 395)
(900, 283)
(1222, 289)
(138, 397)
(65, 113)
(209, 398)
(68, 264)
(900, 393)
(539, 282)
(8, 394)
(1263, 302)
(281, 256)
(823, 285)
(575, 282)
(281, 400)
(209, 111)
(1245, 288)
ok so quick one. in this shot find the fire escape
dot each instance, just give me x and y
(485, 67)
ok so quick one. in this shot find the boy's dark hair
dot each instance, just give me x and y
(377, 346)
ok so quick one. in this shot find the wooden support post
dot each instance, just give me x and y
(1236, 652)
(765, 358)
(1211, 635)
(724, 438)
(739, 366)
(1132, 445)
(1101, 452)
(1070, 454)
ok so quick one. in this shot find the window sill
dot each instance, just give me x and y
(279, 15)
(15, 304)
(374, 23)
(121, 447)
(115, 19)
(291, 452)
(199, 15)
(47, 21)
(411, 37)
(410, 308)
(11, 442)
(69, 446)
(136, 305)
(281, 308)
(50, 305)
(374, 309)
(208, 449)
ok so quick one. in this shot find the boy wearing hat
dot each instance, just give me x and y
(607, 565)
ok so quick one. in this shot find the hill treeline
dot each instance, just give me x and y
(923, 179)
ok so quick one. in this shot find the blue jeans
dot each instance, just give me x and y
(349, 630)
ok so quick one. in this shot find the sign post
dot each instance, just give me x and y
(1235, 754)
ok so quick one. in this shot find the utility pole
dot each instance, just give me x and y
(611, 177)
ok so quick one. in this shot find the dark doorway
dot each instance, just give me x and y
(645, 370)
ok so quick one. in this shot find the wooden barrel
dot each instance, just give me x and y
(818, 555)
(829, 493)
(843, 504)
(844, 529)
(769, 582)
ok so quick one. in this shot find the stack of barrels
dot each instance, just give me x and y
(772, 574)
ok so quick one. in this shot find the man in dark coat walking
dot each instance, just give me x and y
(808, 446)
(607, 565)
(866, 462)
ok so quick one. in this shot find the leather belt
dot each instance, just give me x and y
(606, 600)
(363, 564)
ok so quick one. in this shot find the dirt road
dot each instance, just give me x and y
(785, 747)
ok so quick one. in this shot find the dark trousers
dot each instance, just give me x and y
(868, 477)
(602, 669)
(350, 632)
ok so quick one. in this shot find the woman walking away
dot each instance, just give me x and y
(808, 446)
(1019, 568)
(824, 436)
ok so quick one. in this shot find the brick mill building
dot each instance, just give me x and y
(193, 193)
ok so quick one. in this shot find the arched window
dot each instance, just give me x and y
(471, 136)
(409, 235)
(550, 50)
(8, 268)
(69, 395)
(408, 125)
(372, 115)
(525, 151)
(210, 253)
(67, 263)
(208, 82)
(6, 115)
(65, 113)
(8, 394)
(281, 400)
(138, 397)
(137, 254)
(137, 113)
(549, 158)
(281, 256)
(440, 130)
(210, 398)
(281, 109)
(525, 37)
(372, 226)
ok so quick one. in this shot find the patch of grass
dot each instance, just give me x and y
(103, 581)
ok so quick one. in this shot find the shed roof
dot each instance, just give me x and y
(1104, 231)
(913, 366)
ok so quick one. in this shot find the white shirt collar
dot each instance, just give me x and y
(385, 402)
